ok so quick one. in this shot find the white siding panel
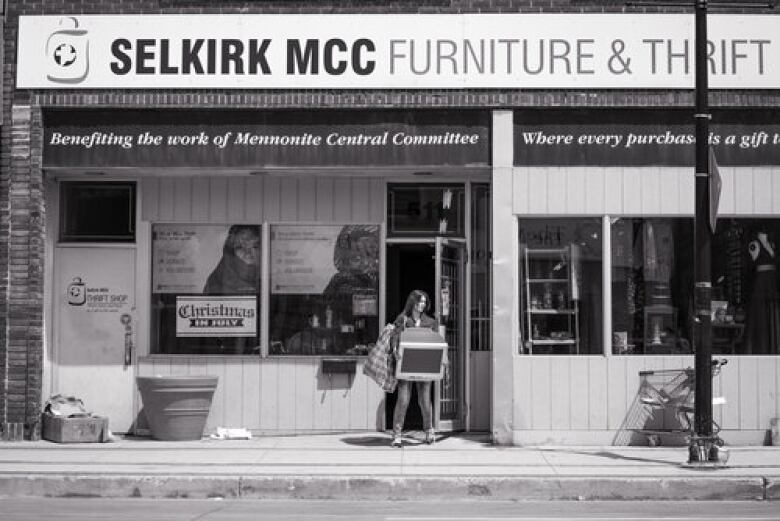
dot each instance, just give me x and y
(650, 181)
(378, 198)
(575, 190)
(744, 190)
(286, 394)
(767, 391)
(727, 203)
(557, 190)
(613, 190)
(234, 394)
(182, 199)
(762, 183)
(306, 380)
(537, 190)
(201, 194)
(632, 190)
(687, 190)
(150, 190)
(361, 200)
(324, 201)
(307, 199)
(218, 200)
(270, 396)
(594, 191)
(166, 199)
(251, 394)
(598, 393)
(542, 399)
(560, 394)
(254, 200)
(749, 392)
(289, 199)
(520, 190)
(342, 200)
(578, 392)
(236, 202)
(775, 190)
(669, 188)
(271, 199)
(617, 404)
(524, 393)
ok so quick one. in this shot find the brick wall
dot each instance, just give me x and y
(22, 212)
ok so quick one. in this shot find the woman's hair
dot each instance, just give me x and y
(357, 248)
(241, 236)
(413, 298)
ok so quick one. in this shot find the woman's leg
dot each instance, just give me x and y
(426, 407)
(399, 413)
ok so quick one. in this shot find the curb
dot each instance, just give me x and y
(390, 488)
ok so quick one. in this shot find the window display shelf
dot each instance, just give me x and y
(551, 342)
(551, 298)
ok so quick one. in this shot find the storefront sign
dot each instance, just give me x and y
(254, 139)
(642, 137)
(225, 316)
(354, 51)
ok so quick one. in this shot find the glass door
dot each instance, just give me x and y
(450, 405)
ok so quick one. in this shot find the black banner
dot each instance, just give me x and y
(264, 139)
(639, 137)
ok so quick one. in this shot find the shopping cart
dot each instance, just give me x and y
(673, 390)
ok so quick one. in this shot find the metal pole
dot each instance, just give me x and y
(701, 445)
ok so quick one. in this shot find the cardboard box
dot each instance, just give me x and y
(88, 429)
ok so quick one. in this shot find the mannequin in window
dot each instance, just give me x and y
(763, 319)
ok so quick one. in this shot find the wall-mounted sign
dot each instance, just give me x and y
(264, 139)
(636, 137)
(359, 51)
(216, 316)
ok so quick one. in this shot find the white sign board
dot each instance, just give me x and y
(225, 316)
(411, 51)
(302, 258)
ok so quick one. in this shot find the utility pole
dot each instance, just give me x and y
(702, 449)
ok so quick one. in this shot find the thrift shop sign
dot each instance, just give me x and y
(262, 139)
(642, 137)
(404, 51)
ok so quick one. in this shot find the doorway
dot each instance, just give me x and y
(436, 266)
(410, 266)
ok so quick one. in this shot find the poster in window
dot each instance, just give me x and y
(329, 260)
(206, 259)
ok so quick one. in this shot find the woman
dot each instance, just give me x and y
(414, 315)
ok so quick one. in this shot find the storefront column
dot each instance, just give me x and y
(23, 315)
(504, 270)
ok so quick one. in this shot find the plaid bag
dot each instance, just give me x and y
(380, 365)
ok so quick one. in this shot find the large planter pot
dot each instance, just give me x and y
(177, 406)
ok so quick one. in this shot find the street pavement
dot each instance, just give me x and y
(362, 466)
(70, 509)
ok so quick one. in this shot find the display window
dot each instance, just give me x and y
(652, 284)
(324, 286)
(561, 286)
(745, 300)
(206, 289)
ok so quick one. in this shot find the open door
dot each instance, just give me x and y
(450, 404)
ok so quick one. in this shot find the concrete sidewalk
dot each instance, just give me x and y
(363, 466)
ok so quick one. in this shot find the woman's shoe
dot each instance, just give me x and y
(396, 443)
(430, 437)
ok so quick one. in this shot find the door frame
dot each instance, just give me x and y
(463, 351)
(463, 423)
